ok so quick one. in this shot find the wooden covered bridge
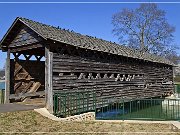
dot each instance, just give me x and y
(76, 62)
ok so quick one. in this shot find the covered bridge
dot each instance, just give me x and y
(76, 62)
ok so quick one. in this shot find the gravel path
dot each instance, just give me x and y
(17, 107)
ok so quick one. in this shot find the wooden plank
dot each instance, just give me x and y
(46, 75)
(35, 87)
(30, 71)
(133, 84)
(7, 72)
(25, 95)
(27, 47)
(48, 80)
(50, 89)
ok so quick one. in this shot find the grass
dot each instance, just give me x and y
(31, 121)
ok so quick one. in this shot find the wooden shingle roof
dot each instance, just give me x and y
(88, 42)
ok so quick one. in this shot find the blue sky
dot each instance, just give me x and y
(89, 19)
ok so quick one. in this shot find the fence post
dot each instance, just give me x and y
(168, 109)
(93, 100)
(76, 105)
(87, 107)
(123, 109)
(151, 111)
(79, 103)
(178, 110)
(68, 104)
(173, 108)
(83, 101)
(102, 107)
(130, 108)
(55, 103)
(161, 108)
(65, 103)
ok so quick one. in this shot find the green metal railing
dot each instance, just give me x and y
(177, 88)
(145, 109)
(72, 103)
(2, 96)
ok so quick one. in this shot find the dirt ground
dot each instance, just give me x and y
(30, 121)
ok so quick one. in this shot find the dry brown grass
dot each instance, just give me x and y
(30, 121)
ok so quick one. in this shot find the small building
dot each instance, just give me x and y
(76, 62)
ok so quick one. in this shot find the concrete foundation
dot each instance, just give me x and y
(89, 116)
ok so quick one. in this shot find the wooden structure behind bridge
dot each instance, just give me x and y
(75, 62)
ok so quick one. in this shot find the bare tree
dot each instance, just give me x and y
(2, 72)
(4, 67)
(145, 28)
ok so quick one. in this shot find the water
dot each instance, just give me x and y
(2, 85)
(159, 111)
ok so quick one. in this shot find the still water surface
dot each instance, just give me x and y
(164, 110)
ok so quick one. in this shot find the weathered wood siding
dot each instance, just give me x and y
(111, 76)
(25, 36)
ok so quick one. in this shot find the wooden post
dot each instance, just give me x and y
(48, 80)
(46, 75)
(50, 90)
(7, 75)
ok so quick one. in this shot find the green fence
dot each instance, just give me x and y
(177, 88)
(145, 109)
(2, 92)
(72, 103)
